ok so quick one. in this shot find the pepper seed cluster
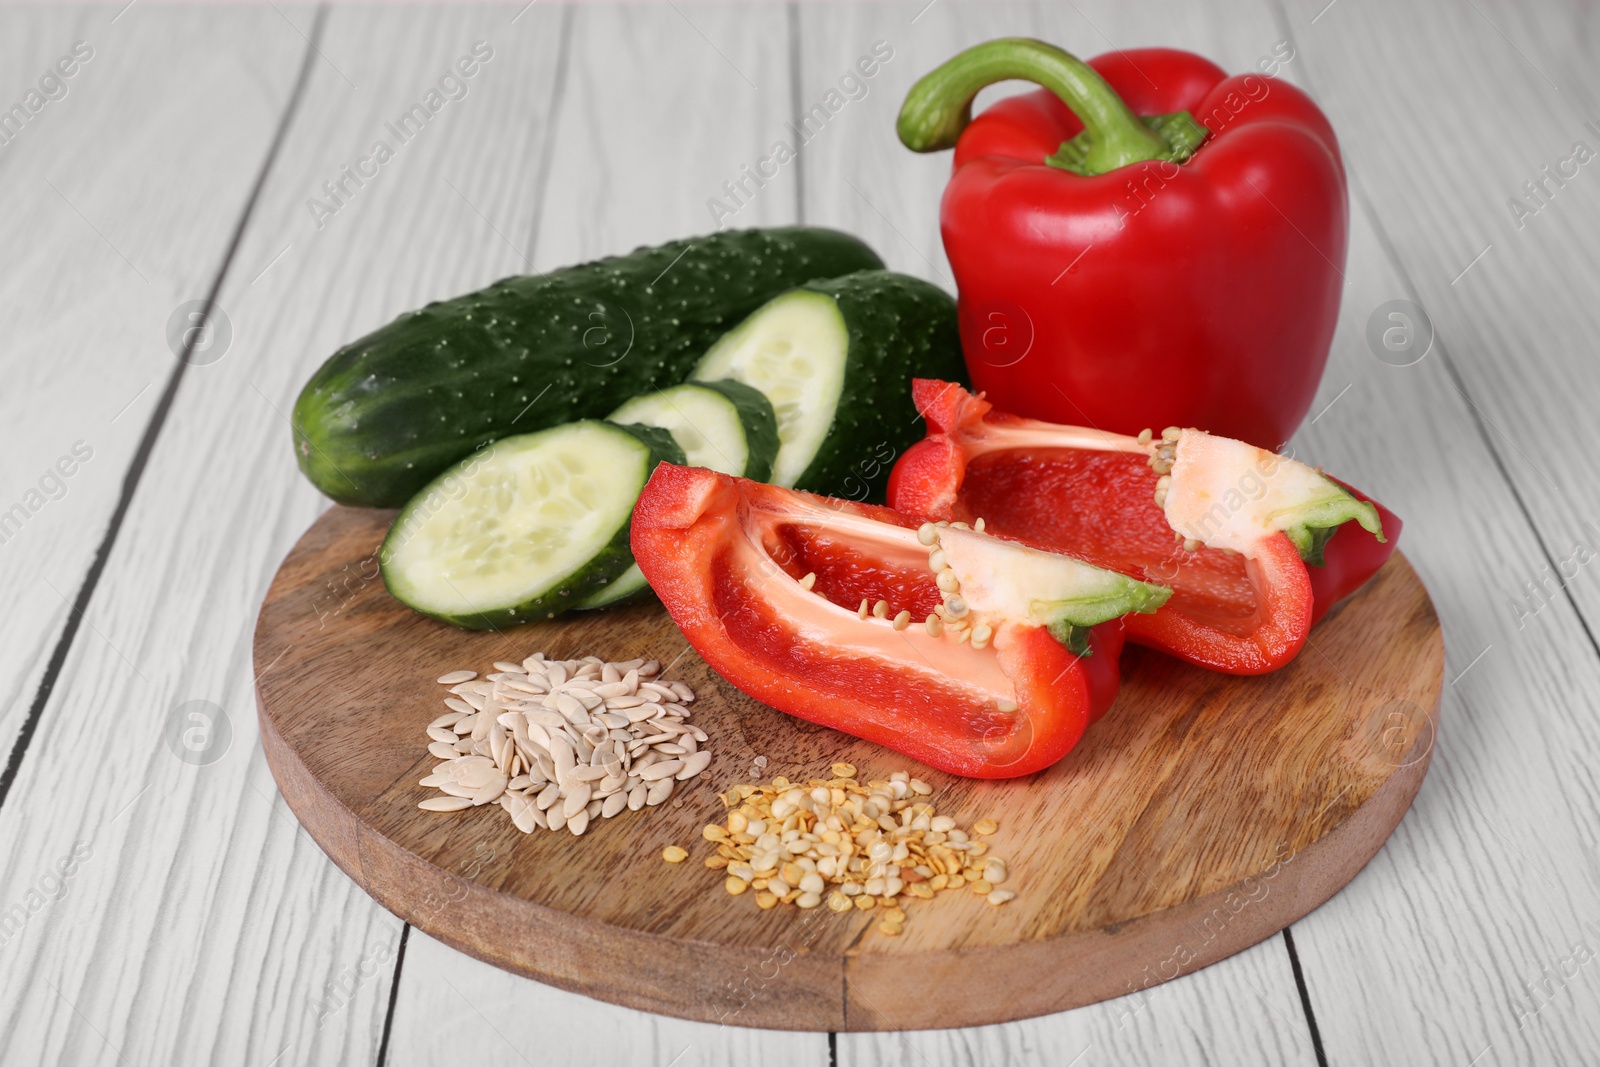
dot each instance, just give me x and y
(1162, 457)
(854, 846)
(953, 613)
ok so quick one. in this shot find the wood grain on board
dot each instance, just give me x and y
(1204, 813)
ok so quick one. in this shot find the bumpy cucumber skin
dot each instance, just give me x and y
(760, 423)
(900, 327)
(598, 571)
(388, 413)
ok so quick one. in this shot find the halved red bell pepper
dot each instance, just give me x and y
(1350, 557)
(944, 643)
(1229, 527)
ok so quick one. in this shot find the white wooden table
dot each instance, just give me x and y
(197, 923)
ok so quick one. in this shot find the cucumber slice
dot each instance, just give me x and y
(836, 359)
(725, 425)
(524, 528)
(793, 350)
(630, 584)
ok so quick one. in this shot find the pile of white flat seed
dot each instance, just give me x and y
(560, 742)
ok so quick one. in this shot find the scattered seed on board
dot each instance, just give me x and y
(848, 845)
(556, 744)
(445, 804)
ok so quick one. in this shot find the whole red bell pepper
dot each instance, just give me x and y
(975, 655)
(1146, 241)
(1254, 546)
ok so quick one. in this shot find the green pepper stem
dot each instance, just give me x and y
(939, 106)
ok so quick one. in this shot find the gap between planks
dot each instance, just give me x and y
(1391, 253)
(147, 441)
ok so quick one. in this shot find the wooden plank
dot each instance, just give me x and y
(663, 109)
(205, 927)
(1480, 840)
(637, 154)
(124, 191)
(1457, 943)
(497, 1017)
(858, 177)
(1514, 330)
(1179, 1022)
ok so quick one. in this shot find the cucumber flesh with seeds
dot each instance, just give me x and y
(836, 358)
(524, 528)
(726, 426)
(794, 351)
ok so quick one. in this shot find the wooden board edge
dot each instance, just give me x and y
(784, 987)
(777, 987)
(889, 993)
(780, 987)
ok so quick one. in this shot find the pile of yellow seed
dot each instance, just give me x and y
(862, 846)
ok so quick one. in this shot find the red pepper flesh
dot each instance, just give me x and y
(1173, 285)
(1092, 495)
(728, 557)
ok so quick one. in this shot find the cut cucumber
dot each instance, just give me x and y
(628, 585)
(390, 411)
(836, 359)
(793, 350)
(726, 426)
(524, 528)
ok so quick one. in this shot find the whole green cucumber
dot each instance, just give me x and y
(387, 413)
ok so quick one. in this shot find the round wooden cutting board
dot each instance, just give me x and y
(1203, 814)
